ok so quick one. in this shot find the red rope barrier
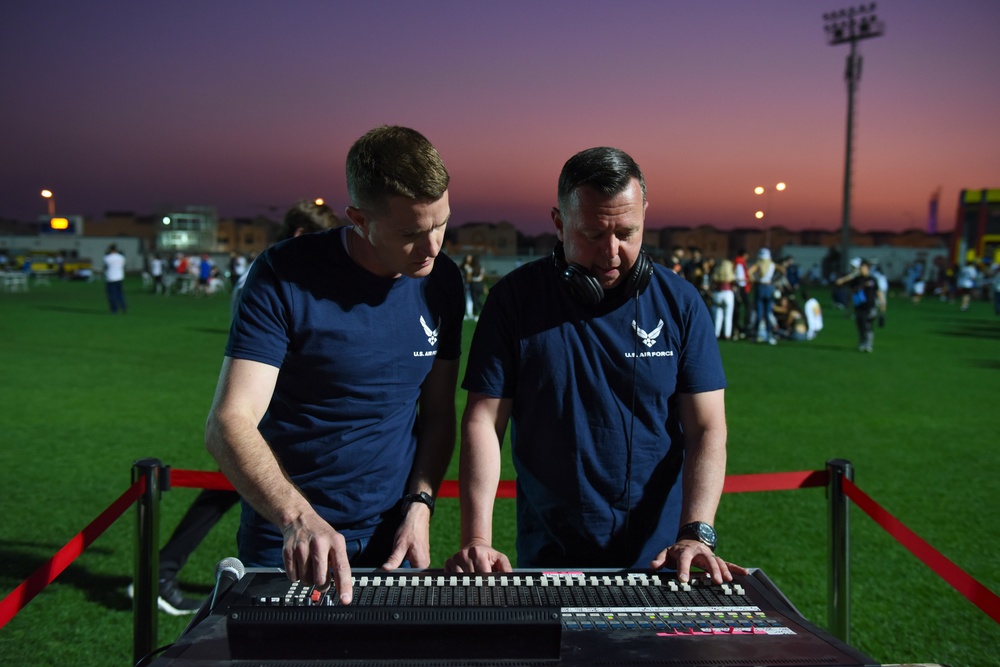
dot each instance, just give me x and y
(777, 481)
(780, 481)
(449, 489)
(46, 574)
(200, 480)
(960, 580)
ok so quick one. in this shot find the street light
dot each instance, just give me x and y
(849, 26)
(47, 194)
(767, 210)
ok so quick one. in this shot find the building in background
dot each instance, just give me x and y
(976, 235)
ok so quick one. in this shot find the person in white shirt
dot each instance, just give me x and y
(814, 317)
(966, 282)
(156, 271)
(114, 278)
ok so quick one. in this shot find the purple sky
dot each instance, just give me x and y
(250, 105)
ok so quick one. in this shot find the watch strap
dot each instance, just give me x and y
(422, 497)
(700, 532)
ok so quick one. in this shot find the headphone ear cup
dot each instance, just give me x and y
(584, 286)
(639, 276)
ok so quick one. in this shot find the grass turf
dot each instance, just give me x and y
(86, 393)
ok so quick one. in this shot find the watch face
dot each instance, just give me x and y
(706, 534)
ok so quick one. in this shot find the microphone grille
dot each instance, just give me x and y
(233, 564)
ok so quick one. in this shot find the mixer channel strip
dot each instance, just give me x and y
(632, 591)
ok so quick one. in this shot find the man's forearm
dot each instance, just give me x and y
(704, 477)
(434, 451)
(479, 476)
(436, 441)
(248, 462)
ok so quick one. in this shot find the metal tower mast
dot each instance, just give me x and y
(850, 26)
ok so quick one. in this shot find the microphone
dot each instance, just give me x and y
(227, 573)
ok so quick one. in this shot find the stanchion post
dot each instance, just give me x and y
(147, 557)
(839, 600)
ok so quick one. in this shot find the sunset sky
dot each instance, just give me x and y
(248, 106)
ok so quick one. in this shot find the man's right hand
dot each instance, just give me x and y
(478, 557)
(312, 550)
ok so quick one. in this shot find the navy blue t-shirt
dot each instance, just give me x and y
(353, 350)
(597, 442)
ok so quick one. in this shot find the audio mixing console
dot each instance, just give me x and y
(590, 617)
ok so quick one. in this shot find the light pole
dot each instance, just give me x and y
(47, 194)
(767, 211)
(850, 26)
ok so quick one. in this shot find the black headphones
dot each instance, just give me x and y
(585, 287)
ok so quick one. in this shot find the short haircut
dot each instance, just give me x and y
(308, 216)
(603, 169)
(392, 161)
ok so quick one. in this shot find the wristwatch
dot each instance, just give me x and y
(701, 531)
(411, 498)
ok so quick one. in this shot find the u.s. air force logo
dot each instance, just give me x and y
(432, 338)
(432, 334)
(649, 339)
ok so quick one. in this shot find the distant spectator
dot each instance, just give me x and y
(476, 287)
(694, 269)
(723, 299)
(239, 268)
(215, 281)
(114, 279)
(205, 267)
(918, 288)
(762, 273)
(156, 271)
(741, 292)
(791, 321)
(965, 282)
(467, 271)
(882, 293)
(863, 292)
(676, 261)
(304, 217)
(791, 271)
(814, 316)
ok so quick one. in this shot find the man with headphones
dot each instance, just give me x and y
(608, 368)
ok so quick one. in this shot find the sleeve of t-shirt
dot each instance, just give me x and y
(259, 331)
(454, 308)
(490, 369)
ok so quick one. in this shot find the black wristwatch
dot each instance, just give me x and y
(411, 498)
(701, 531)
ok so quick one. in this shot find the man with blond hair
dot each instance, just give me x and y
(334, 415)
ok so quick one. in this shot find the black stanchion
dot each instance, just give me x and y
(838, 595)
(147, 555)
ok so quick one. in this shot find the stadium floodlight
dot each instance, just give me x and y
(849, 26)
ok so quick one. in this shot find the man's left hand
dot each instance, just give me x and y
(687, 553)
(412, 540)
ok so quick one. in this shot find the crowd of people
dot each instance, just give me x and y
(758, 299)
(966, 282)
(195, 274)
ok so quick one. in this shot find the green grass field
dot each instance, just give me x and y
(84, 394)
